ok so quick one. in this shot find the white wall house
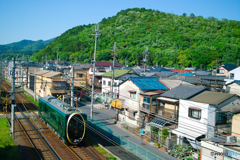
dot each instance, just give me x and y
(129, 92)
(233, 75)
(206, 114)
(107, 83)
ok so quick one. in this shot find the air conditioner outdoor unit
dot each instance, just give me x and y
(231, 139)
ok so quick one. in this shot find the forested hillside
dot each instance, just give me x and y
(172, 40)
(26, 47)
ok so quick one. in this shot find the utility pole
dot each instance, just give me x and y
(42, 59)
(94, 61)
(114, 50)
(125, 62)
(145, 58)
(34, 84)
(27, 72)
(72, 87)
(22, 84)
(57, 59)
(13, 97)
(46, 59)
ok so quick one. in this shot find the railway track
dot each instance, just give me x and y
(41, 146)
(45, 143)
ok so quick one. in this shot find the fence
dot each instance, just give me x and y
(125, 143)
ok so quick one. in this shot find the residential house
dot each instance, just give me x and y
(119, 76)
(205, 115)
(223, 70)
(50, 83)
(168, 102)
(81, 77)
(233, 87)
(223, 147)
(233, 75)
(101, 68)
(130, 91)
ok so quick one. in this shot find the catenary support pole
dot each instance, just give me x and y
(72, 87)
(35, 84)
(27, 73)
(13, 97)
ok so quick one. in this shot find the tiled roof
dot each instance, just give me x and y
(51, 74)
(147, 83)
(42, 72)
(153, 92)
(107, 64)
(80, 66)
(188, 74)
(159, 69)
(172, 83)
(209, 97)
(117, 73)
(228, 67)
(235, 81)
(180, 70)
(184, 91)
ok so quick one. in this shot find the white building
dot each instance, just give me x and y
(119, 76)
(233, 75)
(206, 114)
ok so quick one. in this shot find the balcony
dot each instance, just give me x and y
(169, 113)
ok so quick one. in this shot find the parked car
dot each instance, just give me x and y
(82, 94)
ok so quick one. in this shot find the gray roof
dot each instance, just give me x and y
(214, 98)
(172, 83)
(81, 66)
(184, 91)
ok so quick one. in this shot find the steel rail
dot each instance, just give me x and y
(29, 138)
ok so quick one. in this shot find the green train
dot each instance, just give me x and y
(68, 123)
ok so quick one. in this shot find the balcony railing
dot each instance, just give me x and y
(167, 113)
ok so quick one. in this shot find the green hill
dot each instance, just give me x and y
(172, 40)
(26, 47)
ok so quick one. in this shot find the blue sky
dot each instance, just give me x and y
(46, 19)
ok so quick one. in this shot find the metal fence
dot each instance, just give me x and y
(125, 143)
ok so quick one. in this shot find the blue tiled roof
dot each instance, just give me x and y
(238, 82)
(235, 81)
(147, 83)
(188, 74)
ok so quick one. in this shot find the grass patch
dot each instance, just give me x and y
(8, 150)
(30, 98)
(99, 149)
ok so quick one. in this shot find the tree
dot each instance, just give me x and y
(192, 15)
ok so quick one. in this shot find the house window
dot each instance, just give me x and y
(231, 75)
(146, 100)
(79, 75)
(115, 84)
(154, 101)
(194, 112)
(146, 106)
(221, 118)
(104, 82)
(109, 83)
(133, 95)
(60, 84)
(221, 71)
